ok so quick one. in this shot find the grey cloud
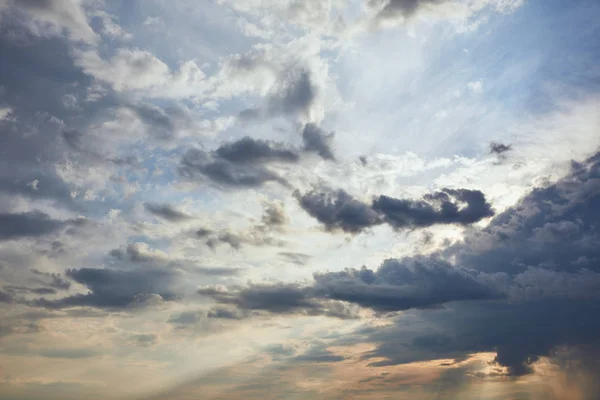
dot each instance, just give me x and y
(118, 289)
(391, 9)
(438, 208)
(203, 232)
(338, 210)
(278, 299)
(199, 164)
(499, 148)
(396, 286)
(543, 253)
(167, 212)
(226, 313)
(294, 95)
(316, 140)
(28, 224)
(408, 283)
(251, 151)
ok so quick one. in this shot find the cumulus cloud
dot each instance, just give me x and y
(340, 211)
(543, 255)
(442, 207)
(397, 285)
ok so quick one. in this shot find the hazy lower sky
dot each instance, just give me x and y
(299, 199)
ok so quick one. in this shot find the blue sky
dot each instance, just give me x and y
(299, 199)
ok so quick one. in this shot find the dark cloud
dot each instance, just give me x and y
(316, 140)
(543, 253)
(167, 212)
(28, 224)
(118, 289)
(197, 164)
(239, 163)
(278, 299)
(442, 207)
(392, 9)
(339, 210)
(397, 285)
(203, 232)
(500, 150)
(294, 95)
(252, 151)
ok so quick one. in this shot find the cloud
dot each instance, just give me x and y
(52, 16)
(340, 211)
(389, 9)
(200, 164)
(543, 255)
(295, 258)
(284, 299)
(274, 216)
(294, 94)
(396, 286)
(118, 289)
(442, 207)
(253, 151)
(167, 212)
(316, 140)
(500, 149)
(53, 280)
(27, 225)
(135, 70)
(241, 163)
(395, 11)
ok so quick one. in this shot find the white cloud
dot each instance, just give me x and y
(475, 86)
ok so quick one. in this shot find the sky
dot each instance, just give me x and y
(286, 199)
